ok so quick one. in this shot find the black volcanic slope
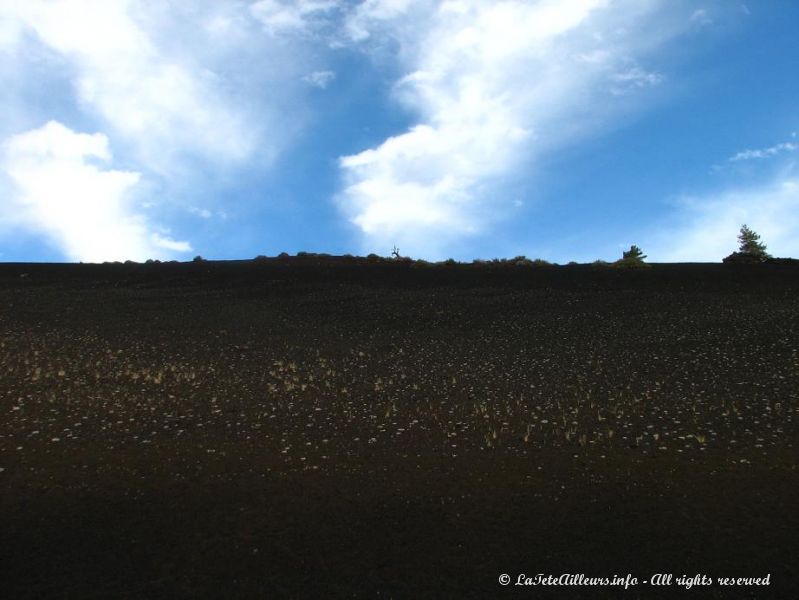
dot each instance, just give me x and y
(325, 428)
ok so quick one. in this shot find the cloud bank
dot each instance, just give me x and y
(154, 98)
(186, 93)
(62, 189)
(494, 85)
(198, 101)
(709, 225)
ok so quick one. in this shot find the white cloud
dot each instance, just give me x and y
(700, 17)
(708, 226)
(62, 190)
(320, 79)
(9, 32)
(291, 16)
(634, 78)
(192, 95)
(494, 84)
(201, 212)
(368, 14)
(764, 152)
(161, 76)
(160, 241)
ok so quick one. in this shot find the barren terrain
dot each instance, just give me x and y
(331, 428)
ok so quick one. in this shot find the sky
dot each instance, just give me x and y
(565, 130)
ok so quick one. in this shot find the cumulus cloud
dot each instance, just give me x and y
(493, 84)
(62, 189)
(192, 96)
(159, 76)
(708, 226)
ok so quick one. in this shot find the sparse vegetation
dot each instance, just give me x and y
(397, 257)
(632, 258)
(421, 263)
(750, 243)
(634, 254)
(750, 251)
(359, 409)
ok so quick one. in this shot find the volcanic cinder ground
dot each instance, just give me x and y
(325, 428)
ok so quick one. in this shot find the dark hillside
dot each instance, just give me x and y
(331, 427)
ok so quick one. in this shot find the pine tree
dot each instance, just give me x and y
(751, 244)
(634, 254)
(633, 258)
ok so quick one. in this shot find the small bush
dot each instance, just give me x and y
(373, 257)
(261, 258)
(524, 261)
(283, 255)
(743, 258)
(420, 263)
(198, 259)
(782, 261)
(630, 264)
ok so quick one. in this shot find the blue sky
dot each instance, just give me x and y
(565, 130)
